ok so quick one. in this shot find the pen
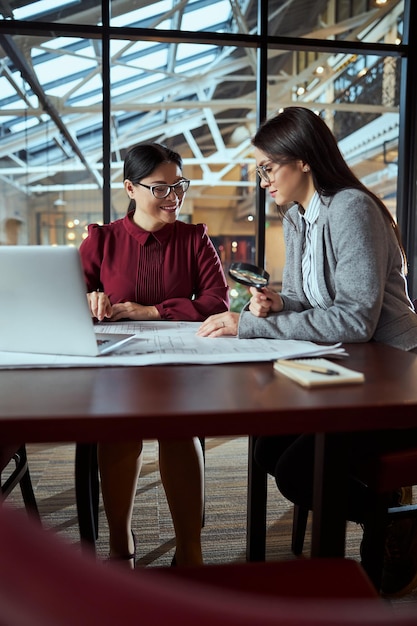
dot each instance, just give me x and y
(316, 369)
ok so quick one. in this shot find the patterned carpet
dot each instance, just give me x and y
(52, 471)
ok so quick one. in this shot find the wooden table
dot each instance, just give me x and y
(109, 404)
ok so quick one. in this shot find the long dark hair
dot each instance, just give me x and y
(141, 160)
(299, 134)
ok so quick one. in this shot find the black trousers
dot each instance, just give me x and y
(290, 459)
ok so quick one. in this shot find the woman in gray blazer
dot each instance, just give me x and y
(344, 280)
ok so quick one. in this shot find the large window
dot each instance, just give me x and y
(81, 82)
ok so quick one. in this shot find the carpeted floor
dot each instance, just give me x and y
(52, 471)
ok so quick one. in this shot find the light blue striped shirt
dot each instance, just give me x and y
(309, 258)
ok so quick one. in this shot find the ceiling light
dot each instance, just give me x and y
(60, 201)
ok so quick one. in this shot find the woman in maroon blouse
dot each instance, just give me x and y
(150, 266)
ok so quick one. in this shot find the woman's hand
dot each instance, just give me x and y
(219, 325)
(134, 311)
(264, 301)
(99, 305)
(101, 308)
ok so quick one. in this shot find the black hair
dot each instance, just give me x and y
(298, 134)
(141, 160)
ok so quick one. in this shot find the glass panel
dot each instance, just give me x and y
(50, 140)
(358, 96)
(219, 16)
(371, 21)
(66, 11)
(359, 20)
(193, 99)
(199, 98)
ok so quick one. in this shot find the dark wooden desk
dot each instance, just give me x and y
(108, 404)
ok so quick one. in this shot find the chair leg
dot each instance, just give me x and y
(28, 496)
(87, 491)
(256, 515)
(373, 543)
(21, 476)
(203, 447)
(299, 525)
(16, 476)
(26, 487)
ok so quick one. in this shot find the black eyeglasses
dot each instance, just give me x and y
(163, 191)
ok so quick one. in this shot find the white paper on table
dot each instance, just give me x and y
(160, 343)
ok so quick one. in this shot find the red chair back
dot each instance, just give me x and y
(44, 582)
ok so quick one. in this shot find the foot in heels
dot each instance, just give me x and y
(127, 560)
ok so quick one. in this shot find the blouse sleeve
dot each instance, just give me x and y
(91, 252)
(211, 292)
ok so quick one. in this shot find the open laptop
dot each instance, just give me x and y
(43, 304)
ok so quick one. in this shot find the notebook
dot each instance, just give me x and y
(317, 372)
(43, 304)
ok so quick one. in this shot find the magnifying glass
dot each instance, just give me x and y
(249, 275)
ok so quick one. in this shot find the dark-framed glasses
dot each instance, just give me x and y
(163, 191)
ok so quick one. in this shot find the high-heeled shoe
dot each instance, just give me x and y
(126, 557)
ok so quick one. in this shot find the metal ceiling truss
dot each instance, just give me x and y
(200, 113)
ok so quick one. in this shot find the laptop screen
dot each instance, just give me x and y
(43, 299)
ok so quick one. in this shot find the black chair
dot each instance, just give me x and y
(87, 491)
(18, 476)
(382, 474)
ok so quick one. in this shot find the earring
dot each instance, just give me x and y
(306, 168)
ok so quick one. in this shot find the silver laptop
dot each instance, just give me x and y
(43, 304)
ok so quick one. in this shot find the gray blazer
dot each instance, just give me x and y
(359, 273)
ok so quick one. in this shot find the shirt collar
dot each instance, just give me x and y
(142, 236)
(312, 212)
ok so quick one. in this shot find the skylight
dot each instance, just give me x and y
(34, 9)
